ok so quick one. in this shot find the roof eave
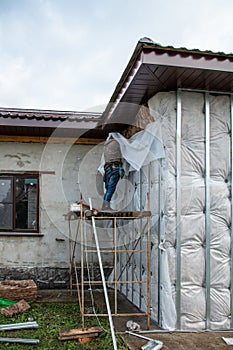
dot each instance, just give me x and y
(151, 53)
(135, 58)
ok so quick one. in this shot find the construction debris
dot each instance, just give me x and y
(85, 340)
(228, 341)
(17, 290)
(133, 326)
(17, 326)
(6, 302)
(20, 340)
(82, 335)
(14, 326)
(15, 309)
(152, 343)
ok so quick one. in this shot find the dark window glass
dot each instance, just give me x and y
(19, 203)
(6, 203)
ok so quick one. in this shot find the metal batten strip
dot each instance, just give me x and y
(115, 261)
(159, 315)
(133, 264)
(161, 237)
(207, 205)
(82, 262)
(178, 208)
(231, 154)
(149, 291)
(149, 296)
(140, 243)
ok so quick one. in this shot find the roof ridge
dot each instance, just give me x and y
(150, 43)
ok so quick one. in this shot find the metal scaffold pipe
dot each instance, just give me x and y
(103, 281)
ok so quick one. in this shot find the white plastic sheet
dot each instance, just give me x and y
(142, 148)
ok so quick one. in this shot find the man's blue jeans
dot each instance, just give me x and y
(111, 178)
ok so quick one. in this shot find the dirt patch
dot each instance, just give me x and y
(184, 341)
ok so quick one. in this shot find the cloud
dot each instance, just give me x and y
(50, 60)
(70, 54)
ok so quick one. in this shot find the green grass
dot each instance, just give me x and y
(52, 318)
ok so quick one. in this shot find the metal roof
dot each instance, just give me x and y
(34, 122)
(38, 114)
(154, 68)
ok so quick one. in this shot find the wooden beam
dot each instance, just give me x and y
(41, 139)
(105, 214)
(23, 172)
(80, 333)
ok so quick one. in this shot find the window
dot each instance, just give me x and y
(19, 199)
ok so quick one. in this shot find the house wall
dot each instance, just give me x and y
(191, 255)
(66, 170)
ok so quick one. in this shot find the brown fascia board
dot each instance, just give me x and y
(148, 52)
(199, 62)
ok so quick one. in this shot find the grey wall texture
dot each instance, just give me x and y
(66, 171)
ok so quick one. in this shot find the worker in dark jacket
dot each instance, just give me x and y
(113, 170)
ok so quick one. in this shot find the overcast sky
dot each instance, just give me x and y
(70, 54)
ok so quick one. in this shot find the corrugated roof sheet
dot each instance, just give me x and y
(171, 49)
(35, 122)
(48, 114)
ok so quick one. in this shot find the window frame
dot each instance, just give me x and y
(13, 177)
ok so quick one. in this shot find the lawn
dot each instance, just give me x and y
(52, 318)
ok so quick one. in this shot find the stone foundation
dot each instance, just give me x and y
(48, 277)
